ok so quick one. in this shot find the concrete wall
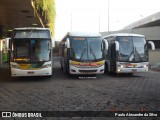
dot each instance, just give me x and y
(154, 57)
(151, 33)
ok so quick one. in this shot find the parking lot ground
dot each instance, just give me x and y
(140, 92)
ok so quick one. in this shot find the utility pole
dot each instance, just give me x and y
(99, 22)
(71, 21)
(108, 17)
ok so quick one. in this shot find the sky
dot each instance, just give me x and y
(92, 15)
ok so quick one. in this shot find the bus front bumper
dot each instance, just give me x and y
(131, 70)
(40, 72)
(76, 70)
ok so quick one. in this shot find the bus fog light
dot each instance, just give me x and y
(118, 70)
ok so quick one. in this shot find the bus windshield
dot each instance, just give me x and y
(132, 49)
(86, 48)
(31, 50)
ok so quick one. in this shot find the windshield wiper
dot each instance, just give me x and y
(138, 54)
(131, 54)
(84, 50)
(91, 50)
(130, 57)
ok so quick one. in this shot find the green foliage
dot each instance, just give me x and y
(48, 12)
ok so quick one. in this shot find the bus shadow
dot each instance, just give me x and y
(125, 75)
(30, 79)
(5, 77)
(83, 77)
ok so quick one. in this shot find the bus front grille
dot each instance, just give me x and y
(88, 67)
(87, 71)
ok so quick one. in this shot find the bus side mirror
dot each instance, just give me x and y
(7, 43)
(68, 43)
(117, 45)
(65, 45)
(152, 45)
(53, 43)
(106, 44)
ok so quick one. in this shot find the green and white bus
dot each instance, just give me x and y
(82, 53)
(127, 53)
(31, 52)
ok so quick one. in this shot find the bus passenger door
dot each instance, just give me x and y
(66, 57)
(112, 57)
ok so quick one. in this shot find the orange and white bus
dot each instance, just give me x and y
(82, 53)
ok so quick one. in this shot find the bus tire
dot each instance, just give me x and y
(106, 68)
(67, 69)
(61, 67)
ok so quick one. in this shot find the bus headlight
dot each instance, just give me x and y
(47, 66)
(121, 66)
(15, 66)
(145, 66)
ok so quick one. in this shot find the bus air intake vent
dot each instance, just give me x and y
(87, 70)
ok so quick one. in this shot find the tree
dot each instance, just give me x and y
(46, 8)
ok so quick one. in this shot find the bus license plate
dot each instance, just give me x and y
(87, 73)
(30, 72)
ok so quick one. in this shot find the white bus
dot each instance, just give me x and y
(127, 53)
(82, 53)
(31, 52)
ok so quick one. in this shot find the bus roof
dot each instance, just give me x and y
(85, 34)
(82, 34)
(124, 34)
(31, 28)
